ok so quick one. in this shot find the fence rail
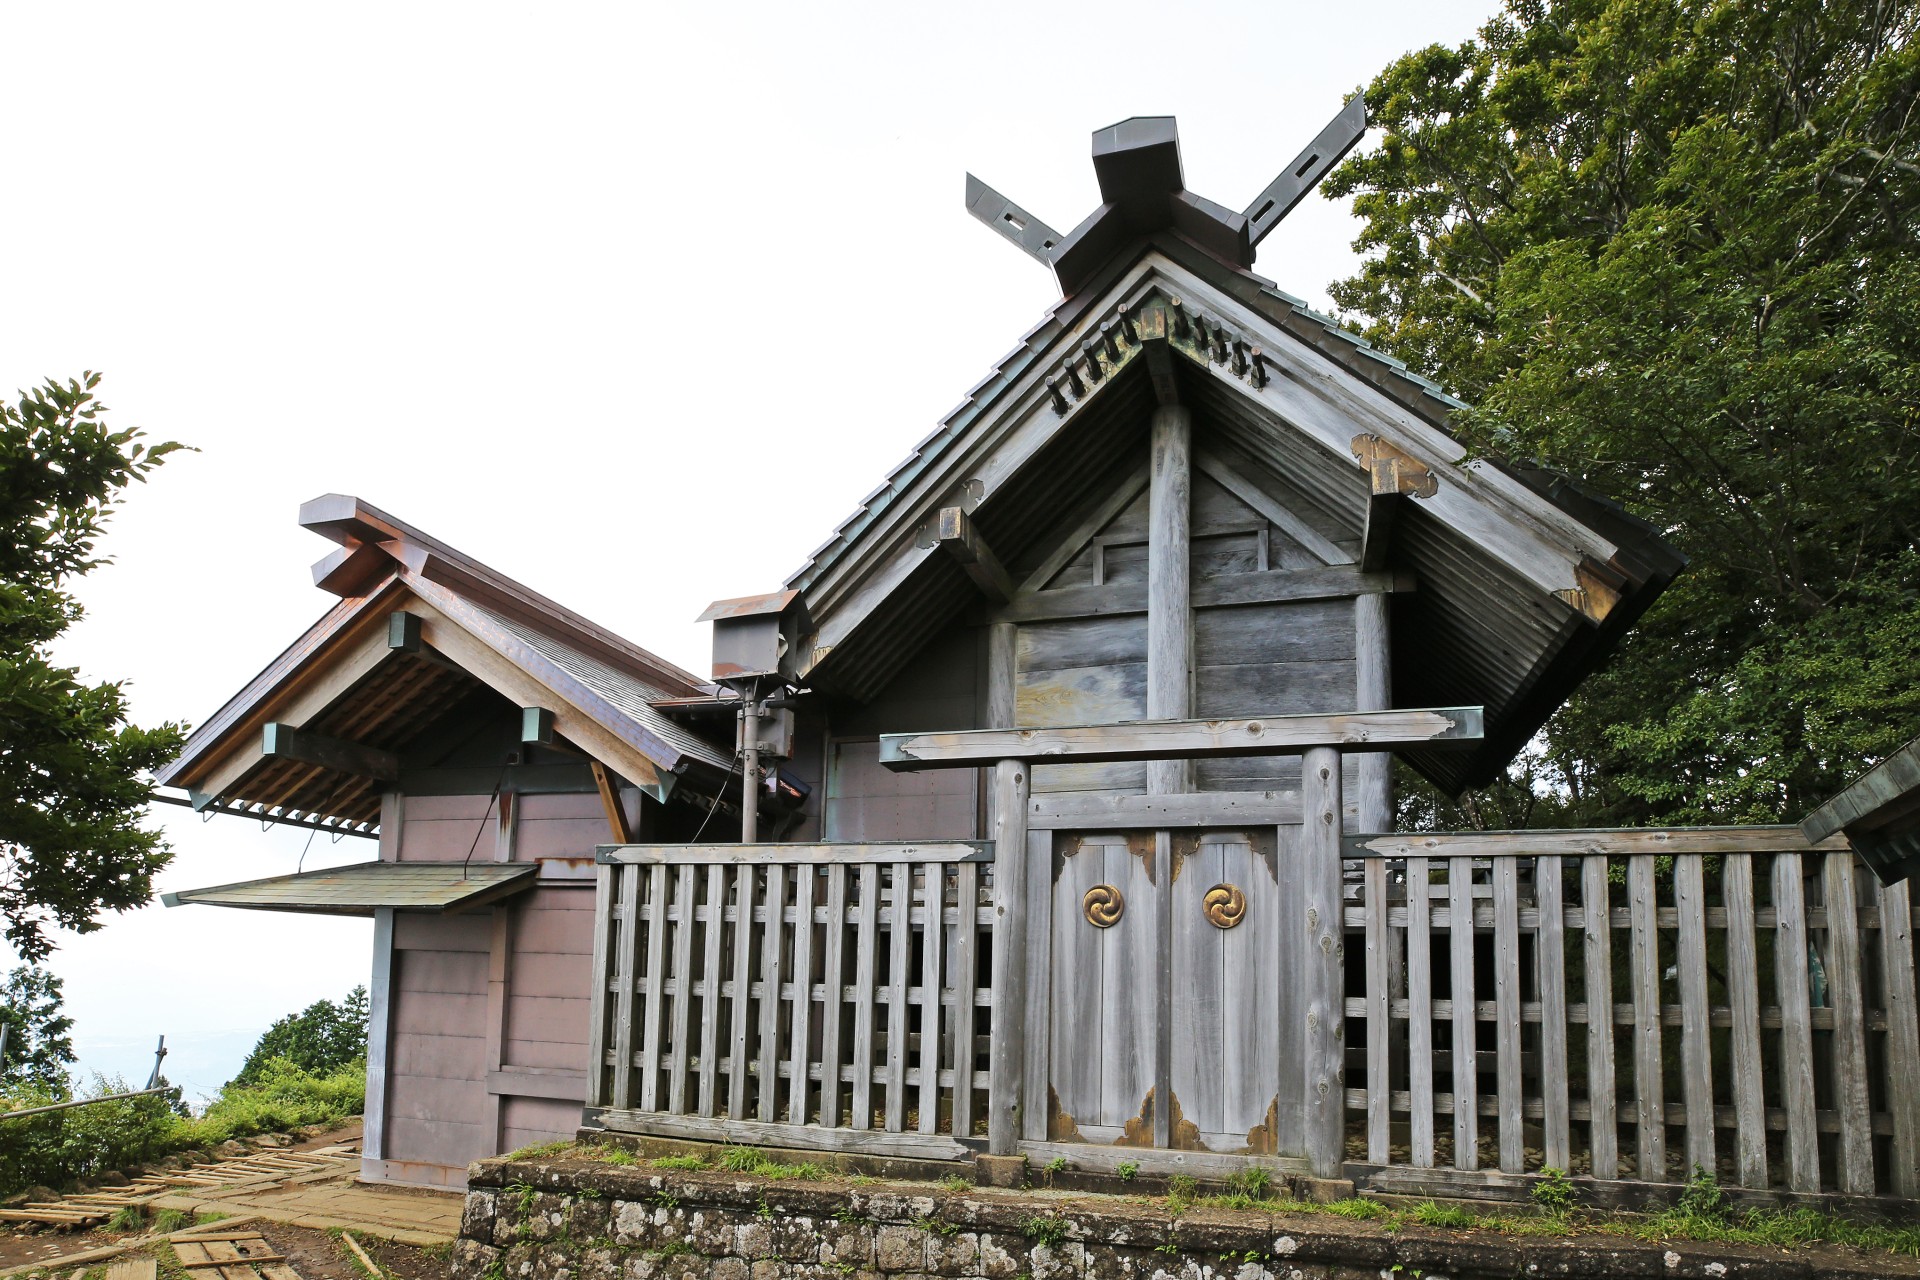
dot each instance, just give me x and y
(1789, 976)
(815, 996)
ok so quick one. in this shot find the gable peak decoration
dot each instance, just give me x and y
(1143, 190)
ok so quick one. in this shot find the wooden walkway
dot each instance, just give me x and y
(265, 1168)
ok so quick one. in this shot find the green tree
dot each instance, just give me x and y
(320, 1039)
(72, 784)
(1668, 247)
(39, 1046)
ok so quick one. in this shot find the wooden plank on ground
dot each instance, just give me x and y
(139, 1267)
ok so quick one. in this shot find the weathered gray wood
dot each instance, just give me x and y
(1153, 1038)
(1274, 586)
(1002, 701)
(656, 994)
(1217, 468)
(1251, 964)
(1379, 1023)
(808, 1137)
(1196, 1045)
(833, 1007)
(866, 939)
(959, 539)
(1082, 533)
(900, 942)
(1182, 739)
(1796, 1024)
(1094, 811)
(769, 855)
(712, 975)
(800, 1026)
(1743, 997)
(743, 883)
(285, 742)
(1597, 951)
(380, 1001)
(1617, 843)
(933, 878)
(1466, 1050)
(1169, 611)
(1373, 680)
(965, 967)
(680, 1059)
(1419, 1014)
(1323, 967)
(1903, 1035)
(603, 890)
(1036, 1002)
(626, 958)
(1649, 1105)
(1078, 1059)
(1506, 1002)
(1696, 1033)
(1550, 957)
(772, 970)
(1847, 996)
(1010, 957)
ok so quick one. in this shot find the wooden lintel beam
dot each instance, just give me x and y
(610, 801)
(284, 742)
(1182, 739)
(958, 538)
(1614, 843)
(743, 855)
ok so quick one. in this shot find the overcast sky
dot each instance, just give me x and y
(632, 302)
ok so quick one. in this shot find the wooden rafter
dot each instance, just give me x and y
(956, 536)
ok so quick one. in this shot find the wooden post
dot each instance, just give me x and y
(373, 1142)
(1169, 611)
(1010, 1006)
(1374, 692)
(1002, 688)
(1321, 968)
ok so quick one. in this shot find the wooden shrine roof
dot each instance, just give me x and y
(358, 889)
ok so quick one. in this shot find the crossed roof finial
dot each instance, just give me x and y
(1142, 191)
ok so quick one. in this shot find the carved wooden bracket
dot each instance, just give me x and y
(1599, 589)
(1393, 470)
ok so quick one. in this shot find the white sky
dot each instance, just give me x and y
(633, 303)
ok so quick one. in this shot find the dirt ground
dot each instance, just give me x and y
(316, 1255)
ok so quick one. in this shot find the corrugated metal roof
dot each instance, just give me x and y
(359, 889)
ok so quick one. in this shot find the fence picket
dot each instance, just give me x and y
(933, 896)
(772, 971)
(1550, 958)
(657, 926)
(1466, 1106)
(1903, 1035)
(800, 1034)
(1790, 953)
(743, 880)
(1506, 1006)
(680, 1057)
(710, 977)
(966, 974)
(1649, 1103)
(1743, 994)
(1379, 1026)
(833, 1008)
(1847, 997)
(900, 940)
(1420, 1013)
(1603, 1139)
(865, 937)
(1696, 1020)
(626, 959)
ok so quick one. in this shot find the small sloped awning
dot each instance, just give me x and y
(356, 890)
(1880, 814)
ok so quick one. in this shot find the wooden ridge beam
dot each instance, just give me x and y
(1182, 739)
(284, 742)
(956, 536)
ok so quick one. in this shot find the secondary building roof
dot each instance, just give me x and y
(1880, 814)
(360, 889)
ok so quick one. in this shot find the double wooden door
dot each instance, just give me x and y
(1170, 999)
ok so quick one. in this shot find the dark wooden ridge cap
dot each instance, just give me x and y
(1880, 813)
(355, 523)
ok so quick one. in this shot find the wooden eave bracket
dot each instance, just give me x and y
(1599, 588)
(352, 570)
(954, 533)
(609, 786)
(1393, 476)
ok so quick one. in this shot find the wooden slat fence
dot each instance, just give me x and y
(824, 996)
(1642, 1004)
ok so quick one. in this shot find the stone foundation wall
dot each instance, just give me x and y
(576, 1219)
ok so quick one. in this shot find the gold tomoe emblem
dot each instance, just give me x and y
(1224, 905)
(1104, 905)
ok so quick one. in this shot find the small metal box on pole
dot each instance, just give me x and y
(757, 643)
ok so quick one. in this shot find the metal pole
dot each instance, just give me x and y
(750, 769)
(159, 1055)
(87, 1102)
(5, 1027)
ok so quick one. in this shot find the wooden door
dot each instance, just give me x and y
(1167, 980)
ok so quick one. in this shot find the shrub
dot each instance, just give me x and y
(322, 1038)
(1553, 1192)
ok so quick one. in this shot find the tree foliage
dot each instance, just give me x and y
(72, 785)
(1668, 247)
(39, 1043)
(321, 1039)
